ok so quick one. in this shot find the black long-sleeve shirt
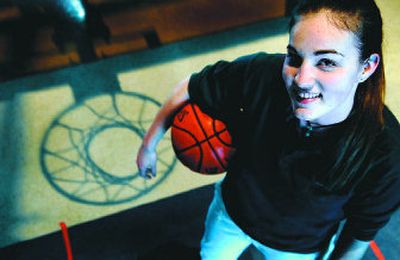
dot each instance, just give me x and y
(270, 189)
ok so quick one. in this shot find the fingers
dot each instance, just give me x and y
(147, 172)
(153, 170)
(150, 173)
(146, 162)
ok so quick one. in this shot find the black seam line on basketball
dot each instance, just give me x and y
(201, 127)
(205, 134)
(197, 143)
(218, 134)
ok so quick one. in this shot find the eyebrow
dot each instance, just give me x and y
(319, 52)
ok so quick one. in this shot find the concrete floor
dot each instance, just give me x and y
(70, 137)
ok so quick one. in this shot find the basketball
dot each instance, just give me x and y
(200, 142)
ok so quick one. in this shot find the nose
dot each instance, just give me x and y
(304, 76)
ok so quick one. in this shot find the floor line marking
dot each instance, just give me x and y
(376, 250)
(67, 242)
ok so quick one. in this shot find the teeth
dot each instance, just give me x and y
(308, 95)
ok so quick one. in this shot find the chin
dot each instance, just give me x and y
(304, 114)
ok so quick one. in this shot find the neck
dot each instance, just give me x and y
(308, 128)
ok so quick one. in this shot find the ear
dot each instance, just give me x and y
(369, 67)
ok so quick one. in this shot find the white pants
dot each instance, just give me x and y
(224, 240)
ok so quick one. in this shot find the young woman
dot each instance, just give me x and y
(315, 143)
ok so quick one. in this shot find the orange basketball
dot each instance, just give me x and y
(200, 142)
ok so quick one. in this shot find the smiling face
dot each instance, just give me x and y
(322, 70)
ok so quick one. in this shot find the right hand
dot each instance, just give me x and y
(146, 161)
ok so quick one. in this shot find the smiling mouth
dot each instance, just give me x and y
(306, 97)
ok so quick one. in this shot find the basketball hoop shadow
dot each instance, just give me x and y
(88, 153)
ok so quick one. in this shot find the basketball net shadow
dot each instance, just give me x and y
(88, 153)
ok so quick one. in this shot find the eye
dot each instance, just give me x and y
(294, 59)
(327, 64)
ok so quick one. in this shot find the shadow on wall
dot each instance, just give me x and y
(13, 132)
(78, 148)
(86, 153)
(10, 158)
